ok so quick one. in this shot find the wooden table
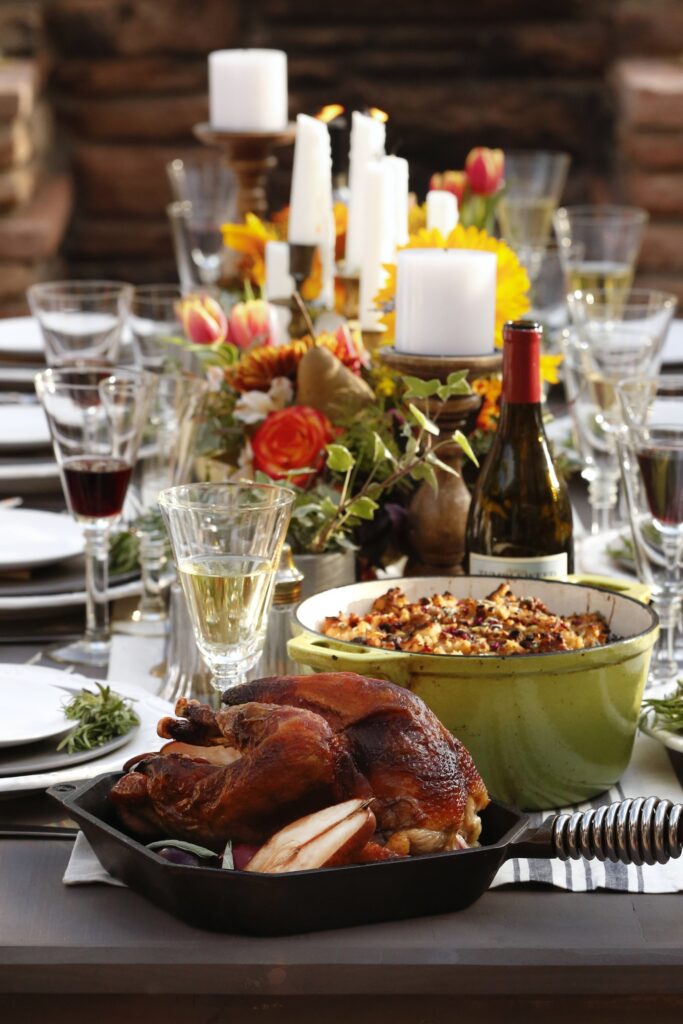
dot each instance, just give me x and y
(100, 954)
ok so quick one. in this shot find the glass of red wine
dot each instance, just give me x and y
(651, 450)
(96, 416)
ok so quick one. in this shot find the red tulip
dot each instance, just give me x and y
(203, 319)
(252, 323)
(485, 168)
(450, 181)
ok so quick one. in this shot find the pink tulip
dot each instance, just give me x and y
(203, 319)
(485, 169)
(252, 323)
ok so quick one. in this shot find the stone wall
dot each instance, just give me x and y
(128, 81)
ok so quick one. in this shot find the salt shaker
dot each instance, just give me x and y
(275, 661)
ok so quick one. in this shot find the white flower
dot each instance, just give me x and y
(215, 377)
(281, 392)
(254, 406)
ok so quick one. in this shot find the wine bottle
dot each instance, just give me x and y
(520, 519)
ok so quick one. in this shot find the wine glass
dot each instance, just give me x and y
(81, 321)
(198, 241)
(203, 176)
(227, 539)
(154, 317)
(651, 450)
(599, 246)
(595, 361)
(164, 459)
(534, 181)
(96, 416)
(647, 310)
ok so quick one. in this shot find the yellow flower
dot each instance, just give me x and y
(250, 239)
(417, 217)
(512, 283)
(549, 368)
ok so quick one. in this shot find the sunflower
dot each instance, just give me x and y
(250, 239)
(256, 370)
(512, 283)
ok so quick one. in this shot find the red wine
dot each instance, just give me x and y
(520, 519)
(661, 467)
(96, 486)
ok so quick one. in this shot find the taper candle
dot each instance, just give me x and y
(279, 282)
(442, 211)
(367, 143)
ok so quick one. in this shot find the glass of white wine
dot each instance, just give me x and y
(226, 540)
(534, 181)
(599, 246)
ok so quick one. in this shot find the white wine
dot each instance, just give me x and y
(229, 600)
(524, 221)
(613, 280)
(520, 519)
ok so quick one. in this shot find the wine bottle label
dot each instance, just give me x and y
(549, 566)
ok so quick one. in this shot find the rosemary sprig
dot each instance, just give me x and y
(99, 716)
(668, 711)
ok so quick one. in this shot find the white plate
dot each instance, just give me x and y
(149, 709)
(21, 336)
(23, 427)
(29, 538)
(673, 346)
(46, 602)
(31, 706)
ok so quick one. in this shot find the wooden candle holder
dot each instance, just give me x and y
(250, 155)
(437, 522)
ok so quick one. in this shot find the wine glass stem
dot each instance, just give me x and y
(96, 585)
(152, 562)
(602, 496)
(664, 664)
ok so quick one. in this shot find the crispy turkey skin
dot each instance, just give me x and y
(297, 744)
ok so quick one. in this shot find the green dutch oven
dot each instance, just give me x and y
(545, 730)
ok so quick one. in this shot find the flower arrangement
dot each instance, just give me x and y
(303, 413)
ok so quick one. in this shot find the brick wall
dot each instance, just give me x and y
(128, 81)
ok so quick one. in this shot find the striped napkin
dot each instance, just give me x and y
(649, 774)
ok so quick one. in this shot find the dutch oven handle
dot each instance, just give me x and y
(641, 831)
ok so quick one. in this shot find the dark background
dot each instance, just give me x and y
(118, 84)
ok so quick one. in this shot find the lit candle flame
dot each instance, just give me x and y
(330, 112)
(379, 115)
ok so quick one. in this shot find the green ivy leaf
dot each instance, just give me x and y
(438, 463)
(328, 508)
(363, 508)
(460, 439)
(423, 421)
(426, 472)
(381, 452)
(456, 384)
(339, 458)
(417, 388)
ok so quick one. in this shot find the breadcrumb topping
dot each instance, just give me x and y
(501, 623)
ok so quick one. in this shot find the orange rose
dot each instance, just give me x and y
(292, 438)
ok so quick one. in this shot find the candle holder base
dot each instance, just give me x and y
(437, 521)
(250, 155)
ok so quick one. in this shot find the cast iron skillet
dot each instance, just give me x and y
(633, 831)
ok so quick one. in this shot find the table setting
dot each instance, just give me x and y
(341, 579)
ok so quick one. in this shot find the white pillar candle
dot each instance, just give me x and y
(311, 195)
(377, 247)
(248, 90)
(367, 143)
(279, 281)
(442, 212)
(445, 302)
(397, 193)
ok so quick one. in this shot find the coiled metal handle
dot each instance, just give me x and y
(641, 831)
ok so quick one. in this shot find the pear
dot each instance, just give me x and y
(324, 839)
(324, 383)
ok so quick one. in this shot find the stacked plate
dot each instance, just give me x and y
(33, 725)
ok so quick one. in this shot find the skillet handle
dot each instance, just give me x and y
(640, 831)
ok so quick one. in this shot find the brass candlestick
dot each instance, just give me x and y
(250, 155)
(437, 522)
